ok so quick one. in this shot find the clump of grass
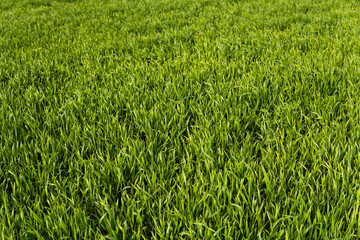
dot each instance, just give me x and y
(179, 119)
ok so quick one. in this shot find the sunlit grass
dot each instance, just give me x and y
(176, 119)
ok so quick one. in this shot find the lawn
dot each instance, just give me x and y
(181, 119)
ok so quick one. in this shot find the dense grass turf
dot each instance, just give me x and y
(185, 119)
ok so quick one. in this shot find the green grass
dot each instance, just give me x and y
(192, 119)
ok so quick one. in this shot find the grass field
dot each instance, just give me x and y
(192, 119)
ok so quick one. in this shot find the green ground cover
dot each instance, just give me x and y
(193, 119)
